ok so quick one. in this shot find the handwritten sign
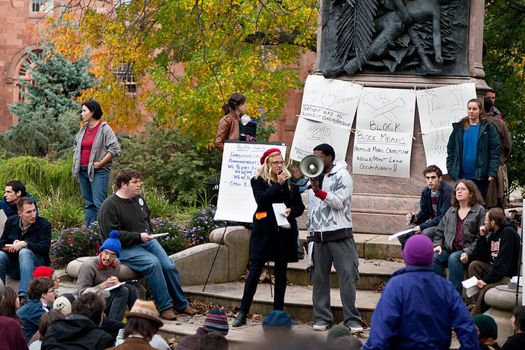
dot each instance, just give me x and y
(390, 110)
(330, 101)
(308, 134)
(239, 162)
(438, 108)
(382, 153)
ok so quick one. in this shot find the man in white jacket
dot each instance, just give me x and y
(330, 227)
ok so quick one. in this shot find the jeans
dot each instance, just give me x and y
(455, 267)
(94, 192)
(430, 232)
(118, 299)
(161, 273)
(20, 266)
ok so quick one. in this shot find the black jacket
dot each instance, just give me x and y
(501, 249)
(269, 241)
(38, 236)
(425, 218)
(77, 332)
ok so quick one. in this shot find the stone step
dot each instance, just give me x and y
(298, 299)
(371, 246)
(372, 273)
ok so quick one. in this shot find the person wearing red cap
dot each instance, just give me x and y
(270, 242)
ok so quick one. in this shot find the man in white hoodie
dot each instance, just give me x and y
(330, 227)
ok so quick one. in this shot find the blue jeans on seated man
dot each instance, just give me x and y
(120, 298)
(456, 268)
(19, 266)
(161, 273)
(94, 192)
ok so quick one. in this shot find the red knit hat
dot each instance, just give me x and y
(43, 271)
(268, 152)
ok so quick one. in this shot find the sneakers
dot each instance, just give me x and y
(168, 314)
(356, 329)
(321, 325)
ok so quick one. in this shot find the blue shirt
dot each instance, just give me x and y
(468, 159)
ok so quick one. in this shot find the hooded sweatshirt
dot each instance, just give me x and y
(76, 332)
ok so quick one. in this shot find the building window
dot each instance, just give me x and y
(41, 6)
(123, 72)
(24, 74)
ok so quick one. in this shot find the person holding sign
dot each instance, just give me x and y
(271, 242)
(457, 232)
(473, 149)
(235, 125)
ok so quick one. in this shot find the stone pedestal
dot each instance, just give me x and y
(502, 301)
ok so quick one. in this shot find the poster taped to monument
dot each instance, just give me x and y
(440, 107)
(239, 162)
(435, 145)
(330, 101)
(381, 153)
(390, 110)
(309, 133)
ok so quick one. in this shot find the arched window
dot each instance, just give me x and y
(23, 74)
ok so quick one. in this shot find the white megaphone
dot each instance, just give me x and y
(311, 166)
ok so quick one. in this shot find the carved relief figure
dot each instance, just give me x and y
(406, 36)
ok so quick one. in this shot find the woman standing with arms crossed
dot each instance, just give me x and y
(473, 149)
(457, 232)
(269, 241)
(95, 147)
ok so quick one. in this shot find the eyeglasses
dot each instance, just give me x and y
(277, 162)
(461, 189)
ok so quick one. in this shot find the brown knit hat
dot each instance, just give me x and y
(145, 309)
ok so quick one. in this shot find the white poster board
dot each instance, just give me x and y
(330, 101)
(382, 153)
(309, 134)
(438, 108)
(390, 110)
(239, 162)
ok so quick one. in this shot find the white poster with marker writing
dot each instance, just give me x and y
(239, 162)
(389, 110)
(308, 134)
(330, 101)
(382, 153)
(438, 108)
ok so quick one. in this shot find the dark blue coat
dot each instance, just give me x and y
(487, 155)
(417, 310)
(425, 217)
(30, 315)
(269, 241)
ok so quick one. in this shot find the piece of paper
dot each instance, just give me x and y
(470, 286)
(400, 233)
(157, 235)
(115, 286)
(278, 210)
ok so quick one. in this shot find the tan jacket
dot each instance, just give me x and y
(228, 129)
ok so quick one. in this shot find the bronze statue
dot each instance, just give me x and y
(405, 36)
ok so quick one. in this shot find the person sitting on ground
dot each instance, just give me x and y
(216, 322)
(14, 190)
(80, 330)
(487, 332)
(214, 341)
(516, 341)
(41, 294)
(10, 303)
(433, 204)
(348, 342)
(127, 212)
(496, 255)
(46, 271)
(277, 325)
(36, 342)
(25, 245)
(99, 273)
(336, 332)
(419, 309)
(64, 304)
(143, 323)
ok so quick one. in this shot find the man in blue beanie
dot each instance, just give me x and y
(419, 309)
(100, 274)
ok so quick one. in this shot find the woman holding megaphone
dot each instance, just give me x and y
(270, 241)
